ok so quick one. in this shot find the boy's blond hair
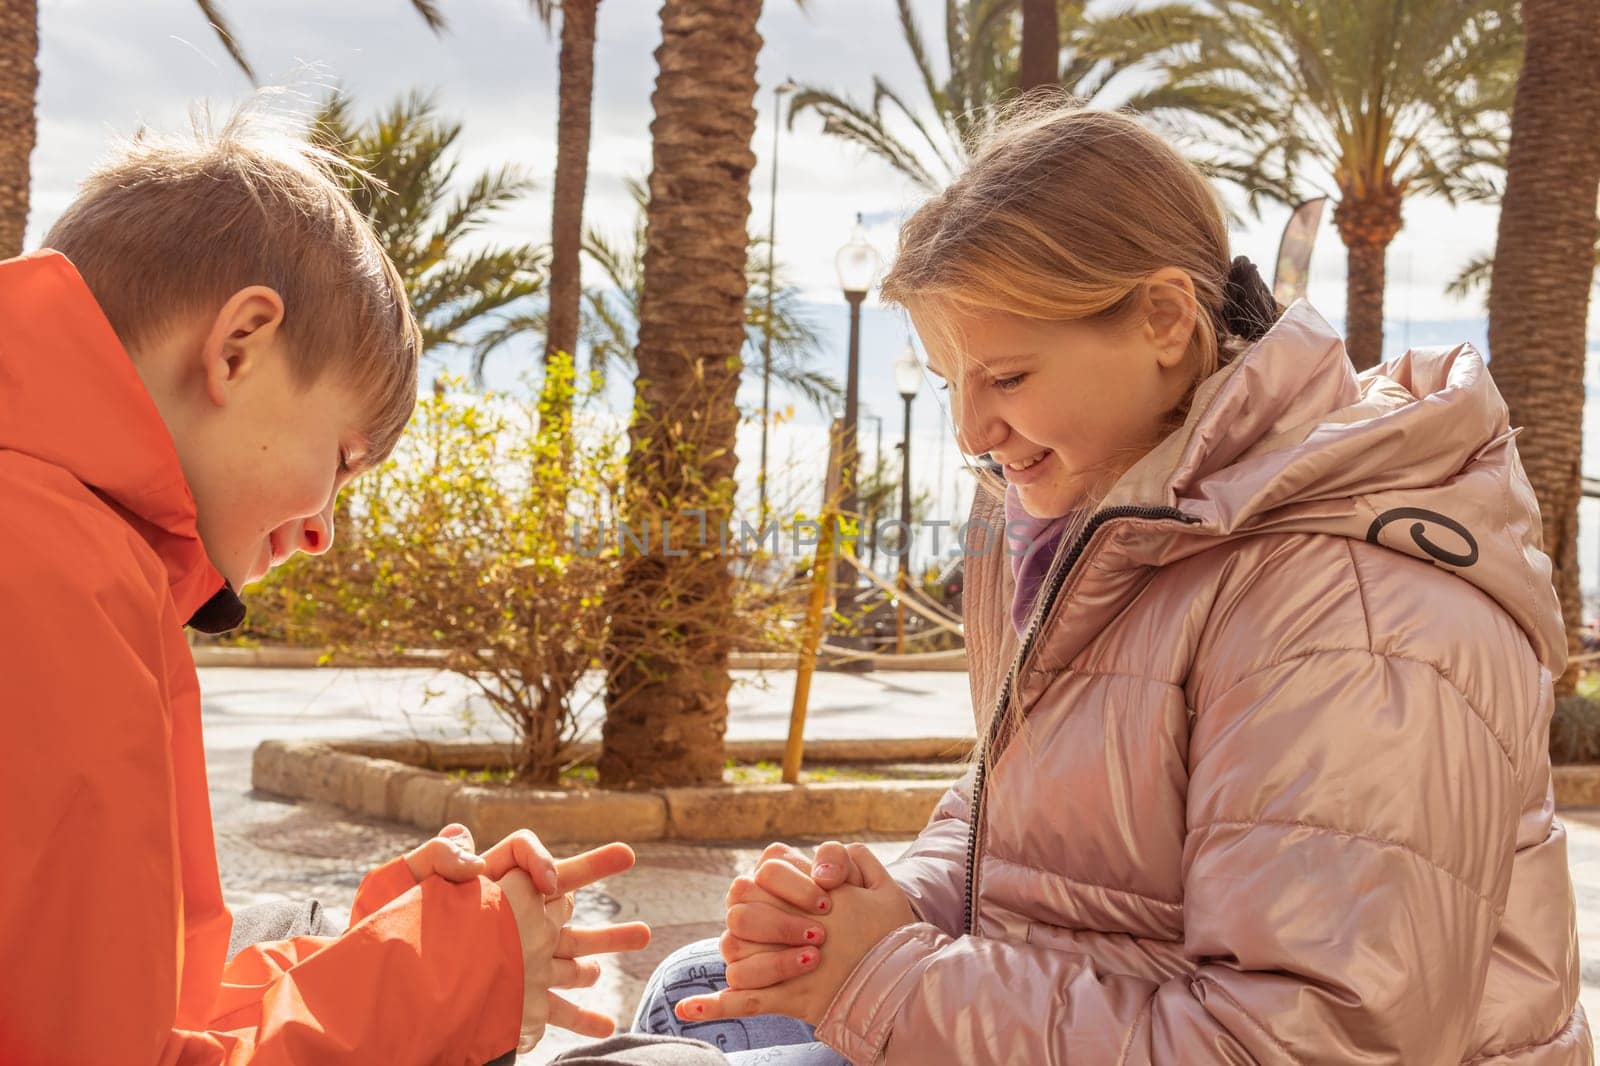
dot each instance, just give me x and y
(174, 226)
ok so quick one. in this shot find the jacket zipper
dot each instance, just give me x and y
(1052, 588)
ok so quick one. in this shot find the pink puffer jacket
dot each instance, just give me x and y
(1281, 791)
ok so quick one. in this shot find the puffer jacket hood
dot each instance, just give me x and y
(1416, 456)
(1280, 789)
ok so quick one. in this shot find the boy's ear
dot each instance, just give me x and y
(1170, 309)
(244, 330)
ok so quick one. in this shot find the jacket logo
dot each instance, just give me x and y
(1419, 534)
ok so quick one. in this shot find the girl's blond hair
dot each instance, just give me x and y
(1062, 214)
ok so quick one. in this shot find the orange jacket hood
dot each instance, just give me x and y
(84, 409)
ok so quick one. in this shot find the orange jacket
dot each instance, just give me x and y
(113, 930)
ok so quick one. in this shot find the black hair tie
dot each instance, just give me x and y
(1248, 309)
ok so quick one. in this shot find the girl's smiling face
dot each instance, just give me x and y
(1064, 406)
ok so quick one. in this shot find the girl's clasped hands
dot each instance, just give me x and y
(797, 928)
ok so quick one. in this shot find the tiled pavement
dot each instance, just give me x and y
(270, 849)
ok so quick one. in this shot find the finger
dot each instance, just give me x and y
(787, 853)
(441, 856)
(565, 1014)
(574, 973)
(595, 865)
(456, 864)
(459, 835)
(729, 1003)
(735, 948)
(523, 850)
(833, 867)
(771, 968)
(745, 890)
(559, 910)
(873, 873)
(762, 923)
(787, 883)
(602, 940)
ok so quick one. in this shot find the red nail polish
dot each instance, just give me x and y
(811, 935)
(807, 959)
(699, 1008)
(823, 904)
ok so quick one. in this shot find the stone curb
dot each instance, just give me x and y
(1577, 785)
(379, 779)
(278, 656)
(382, 779)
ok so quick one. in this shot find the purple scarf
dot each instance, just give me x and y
(1031, 546)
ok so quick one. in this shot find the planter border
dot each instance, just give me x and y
(1576, 785)
(405, 781)
(383, 779)
(280, 656)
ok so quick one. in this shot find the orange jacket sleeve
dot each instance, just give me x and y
(106, 824)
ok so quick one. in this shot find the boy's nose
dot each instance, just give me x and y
(316, 533)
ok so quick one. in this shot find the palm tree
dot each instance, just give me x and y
(576, 94)
(1474, 275)
(1387, 98)
(403, 167)
(610, 320)
(667, 659)
(1099, 57)
(1041, 44)
(428, 9)
(1544, 264)
(19, 85)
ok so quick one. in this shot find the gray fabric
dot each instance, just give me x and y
(639, 1049)
(267, 922)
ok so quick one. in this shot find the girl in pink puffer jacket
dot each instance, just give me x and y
(1263, 772)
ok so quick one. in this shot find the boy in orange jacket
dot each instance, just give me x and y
(215, 346)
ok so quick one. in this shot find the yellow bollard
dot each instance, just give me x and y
(810, 639)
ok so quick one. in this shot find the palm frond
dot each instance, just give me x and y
(219, 24)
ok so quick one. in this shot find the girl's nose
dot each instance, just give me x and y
(978, 430)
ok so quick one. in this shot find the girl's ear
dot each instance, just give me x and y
(1170, 310)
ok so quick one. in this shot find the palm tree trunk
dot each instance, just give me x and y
(19, 85)
(572, 174)
(1041, 45)
(1367, 224)
(1543, 266)
(671, 610)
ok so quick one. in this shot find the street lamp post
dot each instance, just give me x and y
(907, 380)
(857, 263)
(877, 469)
(778, 93)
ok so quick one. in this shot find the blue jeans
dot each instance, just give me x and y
(767, 1039)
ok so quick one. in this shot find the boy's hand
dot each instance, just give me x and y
(554, 956)
(801, 981)
(450, 855)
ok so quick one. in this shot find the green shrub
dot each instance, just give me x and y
(1575, 730)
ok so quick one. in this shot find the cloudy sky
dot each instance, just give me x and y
(108, 66)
